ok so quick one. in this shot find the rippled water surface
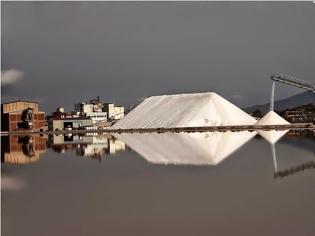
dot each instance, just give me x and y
(239, 183)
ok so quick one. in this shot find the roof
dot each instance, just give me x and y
(19, 112)
(17, 106)
(73, 118)
(18, 101)
(111, 103)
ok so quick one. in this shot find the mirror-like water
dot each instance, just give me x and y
(231, 183)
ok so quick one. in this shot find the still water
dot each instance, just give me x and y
(209, 183)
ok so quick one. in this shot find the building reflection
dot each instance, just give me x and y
(22, 149)
(93, 146)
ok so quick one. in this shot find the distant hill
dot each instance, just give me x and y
(293, 101)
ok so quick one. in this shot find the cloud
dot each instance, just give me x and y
(11, 76)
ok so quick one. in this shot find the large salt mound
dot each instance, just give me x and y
(208, 148)
(272, 118)
(184, 110)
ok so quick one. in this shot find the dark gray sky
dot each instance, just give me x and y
(124, 51)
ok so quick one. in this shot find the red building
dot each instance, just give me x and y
(21, 115)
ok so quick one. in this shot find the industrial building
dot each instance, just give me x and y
(100, 112)
(87, 115)
(61, 120)
(300, 116)
(114, 112)
(92, 109)
(21, 115)
(56, 124)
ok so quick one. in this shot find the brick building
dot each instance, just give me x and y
(21, 115)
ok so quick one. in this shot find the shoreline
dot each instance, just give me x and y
(303, 126)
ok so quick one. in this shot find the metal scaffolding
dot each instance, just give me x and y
(286, 79)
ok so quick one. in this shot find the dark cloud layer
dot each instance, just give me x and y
(123, 51)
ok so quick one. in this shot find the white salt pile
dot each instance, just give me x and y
(208, 148)
(272, 118)
(184, 110)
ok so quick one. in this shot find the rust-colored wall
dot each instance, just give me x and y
(10, 121)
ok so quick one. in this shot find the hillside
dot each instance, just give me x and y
(293, 101)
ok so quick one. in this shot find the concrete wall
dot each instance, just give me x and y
(114, 112)
(75, 123)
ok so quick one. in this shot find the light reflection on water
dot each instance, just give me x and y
(195, 148)
(206, 148)
(156, 183)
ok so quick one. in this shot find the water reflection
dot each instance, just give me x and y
(93, 146)
(128, 192)
(300, 163)
(273, 137)
(203, 148)
(207, 148)
(22, 149)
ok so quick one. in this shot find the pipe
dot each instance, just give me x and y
(272, 98)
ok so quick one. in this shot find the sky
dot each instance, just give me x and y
(60, 53)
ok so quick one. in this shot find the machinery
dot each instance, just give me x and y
(290, 80)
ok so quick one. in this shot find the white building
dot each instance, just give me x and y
(68, 123)
(92, 109)
(114, 112)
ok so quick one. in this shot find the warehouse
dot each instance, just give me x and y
(21, 115)
(69, 123)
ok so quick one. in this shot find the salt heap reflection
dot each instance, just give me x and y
(273, 136)
(207, 148)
